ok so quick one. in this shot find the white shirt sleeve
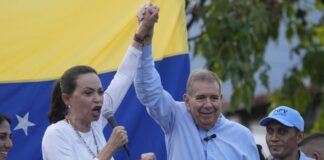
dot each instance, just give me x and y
(121, 82)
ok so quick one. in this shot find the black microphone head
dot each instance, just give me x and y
(212, 136)
(109, 115)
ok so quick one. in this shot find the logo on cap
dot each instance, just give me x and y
(280, 112)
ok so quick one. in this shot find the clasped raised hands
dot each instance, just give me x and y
(147, 17)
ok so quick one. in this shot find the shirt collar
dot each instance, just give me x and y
(204, 133)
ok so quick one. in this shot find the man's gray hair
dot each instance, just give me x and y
(203, 75)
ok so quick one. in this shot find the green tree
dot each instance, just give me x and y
(234, 34)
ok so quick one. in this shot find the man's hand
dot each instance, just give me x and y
(147, 17)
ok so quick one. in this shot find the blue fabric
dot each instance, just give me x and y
(302, 156)
(34, 98)
(184, 140)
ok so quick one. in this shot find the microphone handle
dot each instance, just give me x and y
(113, 123)
(126, 148)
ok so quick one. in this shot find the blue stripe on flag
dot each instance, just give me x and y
(32, 100)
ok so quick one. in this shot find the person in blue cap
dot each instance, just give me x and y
(285, 130)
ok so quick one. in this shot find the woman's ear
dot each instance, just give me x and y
(66, 99)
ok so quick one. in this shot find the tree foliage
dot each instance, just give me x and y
(233, 38)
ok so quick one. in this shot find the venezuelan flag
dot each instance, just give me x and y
(39, 40)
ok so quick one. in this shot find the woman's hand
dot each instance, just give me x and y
(118, 137)
(116, 140)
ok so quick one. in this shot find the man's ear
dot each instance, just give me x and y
(316, 155)
(186, 99)
(66, 99)
(300, 137)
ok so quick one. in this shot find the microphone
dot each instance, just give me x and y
(111, 120)
(207, 138)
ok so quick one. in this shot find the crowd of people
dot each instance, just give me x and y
(195, 128)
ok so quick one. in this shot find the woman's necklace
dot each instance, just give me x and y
(84, 142)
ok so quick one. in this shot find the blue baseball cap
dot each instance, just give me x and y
(286, 116)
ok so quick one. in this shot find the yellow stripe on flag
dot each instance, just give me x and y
(41, 39)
